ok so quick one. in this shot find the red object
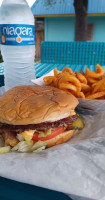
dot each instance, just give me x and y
(53, 134)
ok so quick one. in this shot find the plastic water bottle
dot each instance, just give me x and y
(17, 42)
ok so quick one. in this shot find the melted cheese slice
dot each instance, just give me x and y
(28, 134)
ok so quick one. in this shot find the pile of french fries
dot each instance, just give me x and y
(88, 85)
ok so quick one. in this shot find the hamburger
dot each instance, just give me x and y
(35, 117)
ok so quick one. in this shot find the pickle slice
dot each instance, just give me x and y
(78, 124)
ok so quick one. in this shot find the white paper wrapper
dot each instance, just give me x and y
(95, 105)
(76, 168)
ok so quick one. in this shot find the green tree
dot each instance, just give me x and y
(49, 2)
(52, 2)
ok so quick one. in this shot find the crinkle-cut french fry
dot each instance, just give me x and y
(96, 95)
(81, 78)
(85, 87)
(99, 87)
(89, 85)
(48, 80)
(98, 72)
(67, 69)
(68, 86)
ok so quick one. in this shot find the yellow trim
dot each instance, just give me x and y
(65, 15)
(68, 15)
(96, 14)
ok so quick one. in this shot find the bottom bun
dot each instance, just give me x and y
(61, 138)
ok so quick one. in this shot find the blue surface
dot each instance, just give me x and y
(1, 68)
(56, 7)
(44, 68)
(11, 190)
(73, 53)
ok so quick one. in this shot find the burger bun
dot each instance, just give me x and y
(61, 138)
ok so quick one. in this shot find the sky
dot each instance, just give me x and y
(30, 2)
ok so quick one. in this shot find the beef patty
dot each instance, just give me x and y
(41, 127)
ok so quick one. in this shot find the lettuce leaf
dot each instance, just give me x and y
(5, 149)
(25, 148)
(22, 147)
(44, 134)
(39, 150)
(38, 145)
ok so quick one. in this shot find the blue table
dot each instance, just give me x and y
(43, 68)
(12, 190)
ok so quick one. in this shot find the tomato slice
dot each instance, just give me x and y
(53, 134)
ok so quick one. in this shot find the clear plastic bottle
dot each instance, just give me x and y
(17, 42)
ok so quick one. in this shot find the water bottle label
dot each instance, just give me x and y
(17, 34)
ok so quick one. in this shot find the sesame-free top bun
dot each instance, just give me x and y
(24, 105)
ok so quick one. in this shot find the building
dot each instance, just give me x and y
(58, 17)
